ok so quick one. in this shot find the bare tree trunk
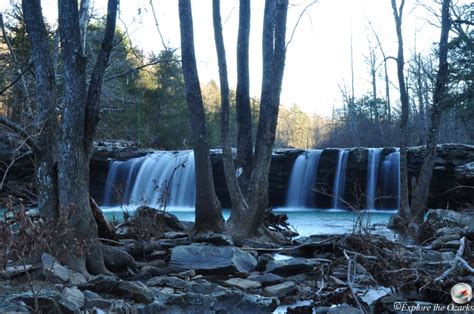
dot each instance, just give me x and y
(244, 116)
(248, 223)
(421, 192)
(419, 87)
(208, 212)
(46, 120)
(233, 186)
(404, 210)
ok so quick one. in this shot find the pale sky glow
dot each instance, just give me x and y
(318, 58)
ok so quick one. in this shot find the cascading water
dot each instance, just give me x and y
(120, 180)
(340, 179)
(372, 176)
(391, 181)
(302, 180)
(156, 179)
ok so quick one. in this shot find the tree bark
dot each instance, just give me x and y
(248, 223)
(244, 116)
(46, 120)
(208, 212)
(236, 197)
(421, 191)
(404, 210)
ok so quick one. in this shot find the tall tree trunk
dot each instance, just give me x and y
(244, 116)
(233, 186)
(73, 163)
(248, 223)
(46, 120)
(421, 191)
(208, 212)
(404, 210)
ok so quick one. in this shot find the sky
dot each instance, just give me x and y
(318, 59)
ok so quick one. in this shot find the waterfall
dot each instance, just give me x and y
(391, 181)
(302, 181)
(340, 179)
(372, 176)
(120, 181)
(153, 180)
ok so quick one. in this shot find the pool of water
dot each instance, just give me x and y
(305, 221)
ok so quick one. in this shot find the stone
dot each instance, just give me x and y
(469, 233)
(97, 303)
(15, 270)
(172, 282)
(186, 274)
(91, 295)
(263, 260)
(170, 243)
(74, 295)
(133, 290)
(167, 290)
(243, 283)
(343, 309)
(53, 270)
(72, 299)
(281, 290)
(203, 286)
(229, 301)
(465, 172)
(213, 238)
(267, 279)
(291, 266)
(175, 234)
(206, 258)
(76, 279)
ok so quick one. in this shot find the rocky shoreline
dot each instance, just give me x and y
(159, 266)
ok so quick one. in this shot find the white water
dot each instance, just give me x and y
(340, 180)
(372, 176)
(301, 187)
(391, 181)
(156, 179)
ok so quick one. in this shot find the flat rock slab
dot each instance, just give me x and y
(281, 290)
(206, 258)
(133, 290)
(267, 279)
(12, 271)
(53, 270)
(291, 266)
(214, 238)
(172, 282)
(243, 283)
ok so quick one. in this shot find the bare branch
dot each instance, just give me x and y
(157, 26)
(298, 21)
(21, 132)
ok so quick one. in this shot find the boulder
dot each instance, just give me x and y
(53, 270)
(291, 266)
(206, 258)
(133, 290)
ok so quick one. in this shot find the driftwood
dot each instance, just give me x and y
(105, 227)
(457, 264)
